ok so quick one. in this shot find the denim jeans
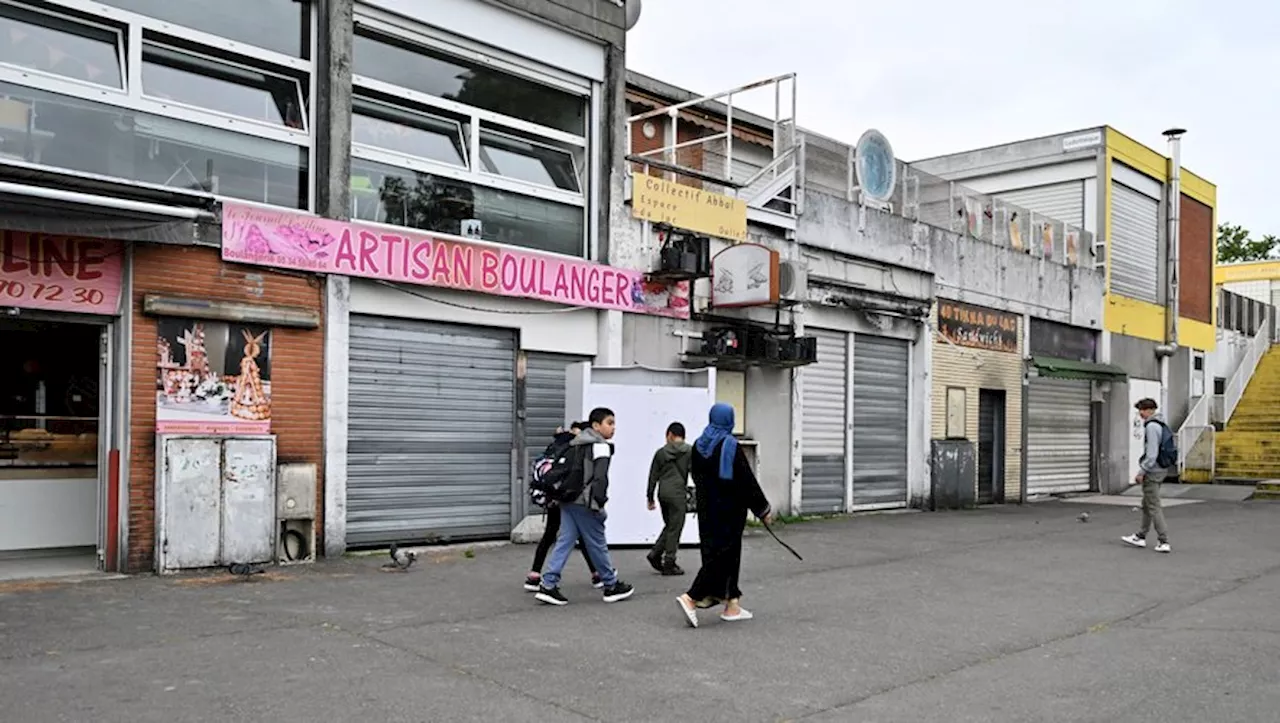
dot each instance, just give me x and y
(577, 521)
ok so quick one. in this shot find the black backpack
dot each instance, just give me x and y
(1167, 458)
(558, 475)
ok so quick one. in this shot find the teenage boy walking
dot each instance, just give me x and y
(669, 476)
(533, 580)
(583, 515)
(1154, 463)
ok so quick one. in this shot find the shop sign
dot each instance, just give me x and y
(688, 208)
(60, 273)
(977, 327)
(744, 275)
(214, 377)
(1051, 339)
(284, 239)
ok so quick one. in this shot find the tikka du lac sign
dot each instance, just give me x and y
(688, 208)
(60, 273)
(283, 239)
(977, 327)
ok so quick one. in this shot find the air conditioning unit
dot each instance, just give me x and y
(684, 258)
(800, 350)
(723, 342)
(793, 281)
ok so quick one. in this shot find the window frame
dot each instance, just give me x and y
(465, 153)
(133, 32)
(121, 50)
(582, 149)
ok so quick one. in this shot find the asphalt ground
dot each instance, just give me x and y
(1001, 614)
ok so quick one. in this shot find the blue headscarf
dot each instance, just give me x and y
(720, 427)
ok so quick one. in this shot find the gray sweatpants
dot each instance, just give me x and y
(1152, 512)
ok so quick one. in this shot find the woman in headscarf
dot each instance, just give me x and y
(726, 489)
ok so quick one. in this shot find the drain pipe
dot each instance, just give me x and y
(1173, 235)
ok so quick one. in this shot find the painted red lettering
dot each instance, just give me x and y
(593, 285)
(462, 256)
(345, 253)
(624, 286)
(489, 270)
(440, 271)
(16, 252)
(510, 274)
(391, 240)
(562, 285)
(529, 276)
(606, 287)
(368, 245)
(420, 270)
(91, 257)
(61, 253)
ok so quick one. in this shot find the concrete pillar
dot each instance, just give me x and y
(332, 174)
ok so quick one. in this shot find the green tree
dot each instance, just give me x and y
(1235, 245)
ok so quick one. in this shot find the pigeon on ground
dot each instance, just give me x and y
(244, 570)
(401, 559)
(1084, 517)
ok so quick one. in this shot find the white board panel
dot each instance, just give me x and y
(248, 501)
(643, 413)
(1138, 389)
(191, 529)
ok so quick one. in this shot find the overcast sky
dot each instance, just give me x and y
(938, 77)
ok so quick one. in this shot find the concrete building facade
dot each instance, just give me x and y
(1118, 191)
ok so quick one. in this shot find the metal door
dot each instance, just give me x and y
(823, 424)
(991, 445)
(191, 531)
(1059, 444)
(248, 500)
(431, 431)
(881, 390)
(1135, 239)
(1060, 201)
(543, 403)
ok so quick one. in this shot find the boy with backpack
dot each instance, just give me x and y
(579, 482)
(1159, 457)
(669, 477)
(559, 445)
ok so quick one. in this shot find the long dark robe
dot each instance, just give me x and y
(722, 517)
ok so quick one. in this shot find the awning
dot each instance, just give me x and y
(1048, 366)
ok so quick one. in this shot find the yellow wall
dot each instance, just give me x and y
(1249, 271)
(976, 369)
(1122, 315)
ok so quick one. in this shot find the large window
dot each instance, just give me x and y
(452, 142)
(189, 95)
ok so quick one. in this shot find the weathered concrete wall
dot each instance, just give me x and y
(1136, 356)
(965, 268)
(596, 19)
(1009, 157)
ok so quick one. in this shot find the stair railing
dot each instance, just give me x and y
(1239, 381)
(1192, 427)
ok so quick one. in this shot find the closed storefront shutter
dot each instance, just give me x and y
(824, 392)
(431, 431)
(1059, 430)
(1060, 201)
(543, 403)
(1135, 234)
(881, 374)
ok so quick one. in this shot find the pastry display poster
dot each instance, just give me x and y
(213, 377)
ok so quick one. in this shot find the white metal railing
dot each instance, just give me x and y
(786, 142)
(1236, 385)
(1192, 427)
(1201, 452)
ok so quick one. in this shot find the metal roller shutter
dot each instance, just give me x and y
(431, 431)
(1058, 436)
(543, 403)
(824, 393)
(880, 399)
(1060, 201)
(1135, 239)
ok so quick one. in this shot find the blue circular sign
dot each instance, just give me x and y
(876, 167)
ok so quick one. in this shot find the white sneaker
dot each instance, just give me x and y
(1163, 547)
(1134, 540)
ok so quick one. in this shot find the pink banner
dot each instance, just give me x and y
(60, 273)
(290, 240)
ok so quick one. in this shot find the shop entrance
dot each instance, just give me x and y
(51, 423)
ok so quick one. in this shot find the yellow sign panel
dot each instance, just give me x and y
(1248, 271)
(685, 207)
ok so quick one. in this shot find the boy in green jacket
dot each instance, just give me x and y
(668, 476)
